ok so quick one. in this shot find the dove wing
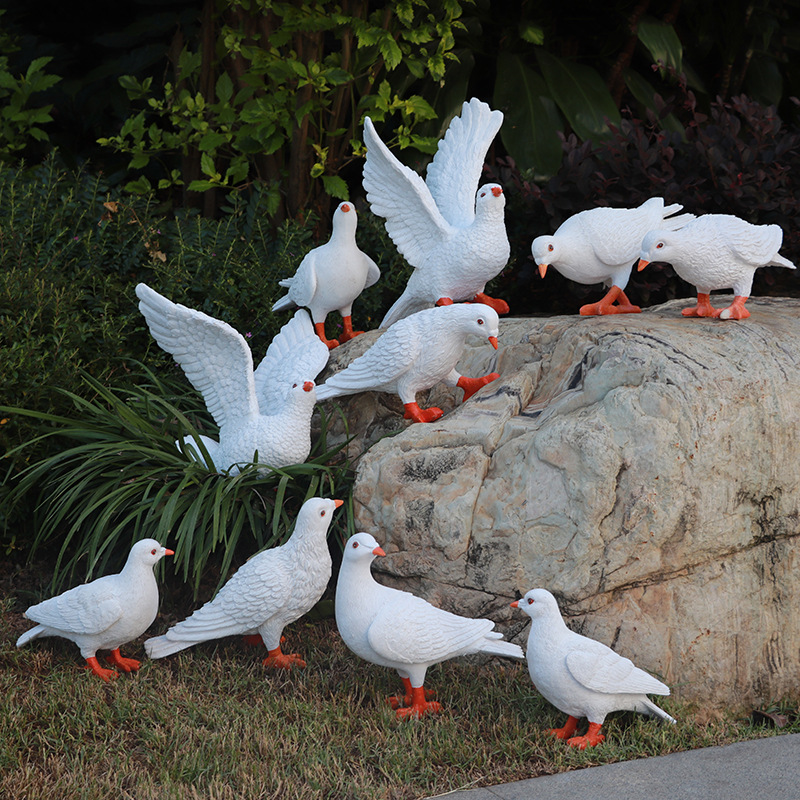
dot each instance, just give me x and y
(409, 630)
(403, 199)
(614, 233)
(602, 670)
(754, 244)
(214, 356)
(295, 354)
(89, 609)
(455, 171)
(304, 282)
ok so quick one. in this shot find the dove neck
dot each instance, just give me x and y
(355, 583)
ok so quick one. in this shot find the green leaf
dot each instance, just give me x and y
(531, 121)
(645, 94)
(211, 141)
(336, 187)
(224, 88)
(662, 42)
(580, 94)
(207, 166)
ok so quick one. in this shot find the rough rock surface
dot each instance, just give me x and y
(644, 468)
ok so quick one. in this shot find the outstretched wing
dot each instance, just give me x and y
(402, 198)
(214, 356)
(455, 171)
(603, 670)
(296, 354)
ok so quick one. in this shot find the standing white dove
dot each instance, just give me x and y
(580, 676)
(452, 232)
(601, 245)
(396, 629)
(717, 251)
(265, 412)
(416, 353)
(330, 277)
(268, 592)
(106, 613)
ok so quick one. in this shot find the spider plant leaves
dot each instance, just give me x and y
(121, 478)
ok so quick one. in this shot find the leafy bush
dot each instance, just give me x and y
(118, 477)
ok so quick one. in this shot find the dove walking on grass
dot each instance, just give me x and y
(106, 613)
(452, 232)
(580, 676)
(263, 413)
(416, 353)
(601, 245)
(398, 630)
(267, 593)
(331, 277)
(717, 251)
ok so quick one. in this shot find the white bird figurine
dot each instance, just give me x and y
(332, 276)
(269, 591)
(396, 629)
(717, 251)
(416, 353)
(449, 230)
(266, 411)
(601, 245)
(106, 613)
(580, 676)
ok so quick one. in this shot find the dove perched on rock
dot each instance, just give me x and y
(332, 276)
(416, 353)
(106, 613)
(717, 251)
(580, 676)
(271, 590)
(452, 232)
(601, 245)
(265, 412)
(396, 629)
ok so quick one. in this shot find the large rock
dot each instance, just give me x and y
(644, 468)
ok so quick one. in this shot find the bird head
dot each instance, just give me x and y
(537, 603)
(317, 511)
(655, 247)
(545, 252)
(362, 547)
(345, 217)
(490, 195)
(303, 389)
(149, 552)
(482, 320)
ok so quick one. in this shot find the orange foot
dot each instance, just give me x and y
(106, 674)
(702, 309)
(500, 306)
(419, 706)
(400, 700)
(125, 664)
(735, 310)
(567, 730)
(471, 385)
(593, 737)
(348, 332)
(278, 660)
(413, 411)
(606, 305)
(319, 327)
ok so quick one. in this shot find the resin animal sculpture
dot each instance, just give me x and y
(452, 232)
(331, 277)
(580, 676)
(398, 630)
(717, 251)
(106, 613)
(601, 245)
(416, 353)
(268, 592)
(263, 413)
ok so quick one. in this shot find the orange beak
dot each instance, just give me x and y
(543, 269)
(169, 552)
(378, 551)
(642, 264)
(493, 340)
(339, 503)
(515, 604)
(345, 208)
(497, 191)
(308, 386)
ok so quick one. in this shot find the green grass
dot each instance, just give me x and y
(212, 722)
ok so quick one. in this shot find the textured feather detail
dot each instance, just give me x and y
(600, 669)
(87, 609)
(455, 171)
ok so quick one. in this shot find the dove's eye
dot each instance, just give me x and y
(153, 552)
(483, 194)
(355, 545)
(659, 245)
(294, 386)
(322, 513)
(549, 248)
(480, 322)
(530, 601)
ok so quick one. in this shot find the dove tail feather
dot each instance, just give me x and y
(502, 648)
(779, 261)
(29, 636)
(160, 646)
(648, 707)
(284, 302)
(404, 306)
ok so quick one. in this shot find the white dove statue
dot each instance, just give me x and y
(106, 613)
(601, 245)
(264, 413)
(580, 676)
(452, 232)
(717, 251)
(396, 629)
(268, 592)
(416, 353)
(331, 277)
